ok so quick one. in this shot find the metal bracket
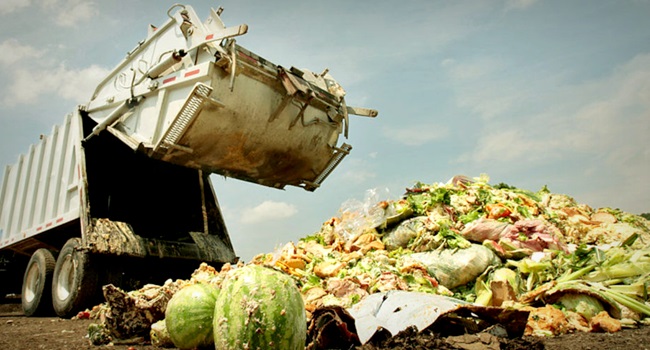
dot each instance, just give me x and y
(114, 116)
(364, 112)
(185, 117)
(283, 104)
(336, 159)
(301, 114)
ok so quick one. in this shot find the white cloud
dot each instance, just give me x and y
(602, 126)
(617, 121)
(66, 13)
(268, 211)
(608, 115)
(357, 170)
(613, 116)
(10, 6)
(503, 146)
(29, 75)
(416, 135)
(70, 12)
(358, 176)
(14, 52)
(28, 85)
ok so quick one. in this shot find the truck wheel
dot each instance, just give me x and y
(75, 282)
(35, 296)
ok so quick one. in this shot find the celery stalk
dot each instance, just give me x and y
(627, 301)
(621, 270)
(638, 290)
(576, 274)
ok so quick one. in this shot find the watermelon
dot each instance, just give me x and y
(188, 316)
(259, 308)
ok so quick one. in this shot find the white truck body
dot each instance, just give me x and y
(61, 182)
(43, 189)
(127, 174)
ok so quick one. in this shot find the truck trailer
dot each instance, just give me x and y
(120, 191)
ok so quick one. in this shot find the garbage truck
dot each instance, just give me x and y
(120, 191)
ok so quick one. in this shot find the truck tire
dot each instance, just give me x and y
(75, 281)
(36, 297)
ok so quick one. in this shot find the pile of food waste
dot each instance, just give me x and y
(533, 263)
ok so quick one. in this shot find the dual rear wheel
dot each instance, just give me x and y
(35, 296)
(64, 286)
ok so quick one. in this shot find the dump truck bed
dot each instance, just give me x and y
(198, 99)
(119, 201)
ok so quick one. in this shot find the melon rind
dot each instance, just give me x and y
(259, 308)
(188, 316)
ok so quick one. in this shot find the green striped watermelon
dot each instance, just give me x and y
(188, 316)
(259, 308)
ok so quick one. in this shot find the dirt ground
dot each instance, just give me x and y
(20, 332)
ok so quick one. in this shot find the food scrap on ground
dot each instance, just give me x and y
(566, 266)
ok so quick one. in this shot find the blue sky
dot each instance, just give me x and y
(530, 92)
